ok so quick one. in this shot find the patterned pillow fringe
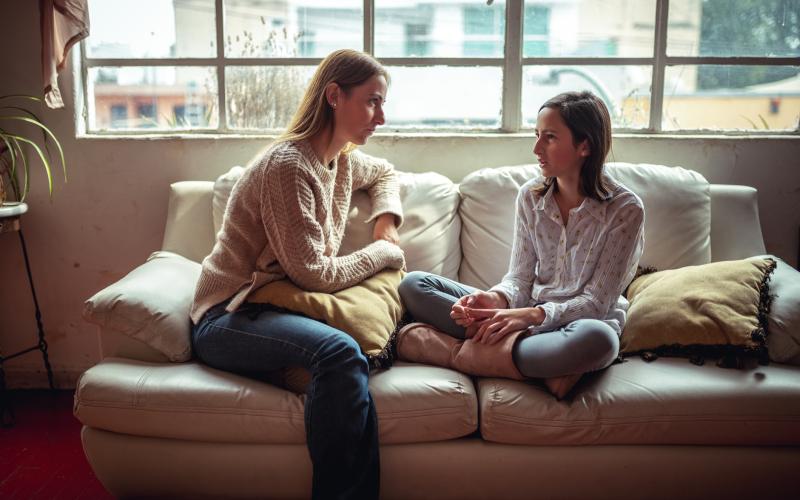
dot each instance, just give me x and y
(728, 356)
(640, 271)
(388, 354)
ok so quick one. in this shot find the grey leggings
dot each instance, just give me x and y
(582, 346)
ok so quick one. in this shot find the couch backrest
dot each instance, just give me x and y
(688, 221)
(677, 217)
(430, 232)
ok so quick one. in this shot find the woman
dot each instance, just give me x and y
(286, 218)
(577, 241)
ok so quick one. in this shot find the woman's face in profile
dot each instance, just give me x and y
(360, 111)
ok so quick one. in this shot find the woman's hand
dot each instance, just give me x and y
(497, 323)
(386, 229)
(478, 300)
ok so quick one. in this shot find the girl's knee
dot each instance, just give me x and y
(412, 285)
(601, 342)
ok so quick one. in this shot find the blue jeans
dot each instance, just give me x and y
(584, 345)
(340, 418)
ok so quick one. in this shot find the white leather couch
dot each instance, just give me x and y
(665, 429)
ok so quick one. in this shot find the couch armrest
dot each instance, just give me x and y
(190, 228)
(149, 305)
(116, 344)
(735, 226)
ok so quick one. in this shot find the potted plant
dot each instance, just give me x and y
(15, 157)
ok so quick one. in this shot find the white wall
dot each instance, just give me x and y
(110, 214)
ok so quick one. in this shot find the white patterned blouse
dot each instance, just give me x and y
(578, 271)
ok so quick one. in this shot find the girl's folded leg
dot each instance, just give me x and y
(562, 356)
(429, 298)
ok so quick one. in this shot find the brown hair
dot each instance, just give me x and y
(587, 117)
(347, 68)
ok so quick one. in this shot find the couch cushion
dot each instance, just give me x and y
(668, 401)
(677, 217)
(431, 228)
(191, 401)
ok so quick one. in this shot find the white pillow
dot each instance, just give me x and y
(677, 213)
(487, 212)
(430, 232)
(783, 341)
(431, 226)
(677, 217)
(151, 304)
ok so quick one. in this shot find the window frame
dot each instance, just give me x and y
(512, 65)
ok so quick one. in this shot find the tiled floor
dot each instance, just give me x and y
(41, 455)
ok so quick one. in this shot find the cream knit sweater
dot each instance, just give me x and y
(286, 217)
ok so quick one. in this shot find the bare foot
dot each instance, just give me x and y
(560, 386)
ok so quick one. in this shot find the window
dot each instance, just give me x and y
(119, 115)
(146, 114)
(189, 115)
(483, 31)
(239, 66)
(416, 37)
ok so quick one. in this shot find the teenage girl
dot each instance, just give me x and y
(577, 241)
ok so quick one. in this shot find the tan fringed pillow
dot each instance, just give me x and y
(718, 309)
(369, 311)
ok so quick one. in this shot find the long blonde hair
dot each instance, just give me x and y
(347, 68)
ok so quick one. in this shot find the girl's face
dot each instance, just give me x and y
(558, 155)
(359, 112)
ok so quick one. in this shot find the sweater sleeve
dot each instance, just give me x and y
(615, 268)
(297, 238)
(378, 177)
(517, 283)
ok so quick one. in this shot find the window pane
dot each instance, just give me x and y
(439, 28)
(442, 96)
(732, 97)
(264, 97)
(286, 28)
(624, 89)
(159, 98)
(152, 29)
(725, 28)
(589, 28)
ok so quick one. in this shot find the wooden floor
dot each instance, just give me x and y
(41, 455)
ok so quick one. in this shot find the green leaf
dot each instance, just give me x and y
(22, 192)
(52, 135)
(20, 96)
(751, 122)
(11, 152)
(44, 162)
(29, 113)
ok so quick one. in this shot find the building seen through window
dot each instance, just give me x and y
(606, 46)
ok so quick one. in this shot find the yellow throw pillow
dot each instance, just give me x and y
(369, 311)
(717, 309)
